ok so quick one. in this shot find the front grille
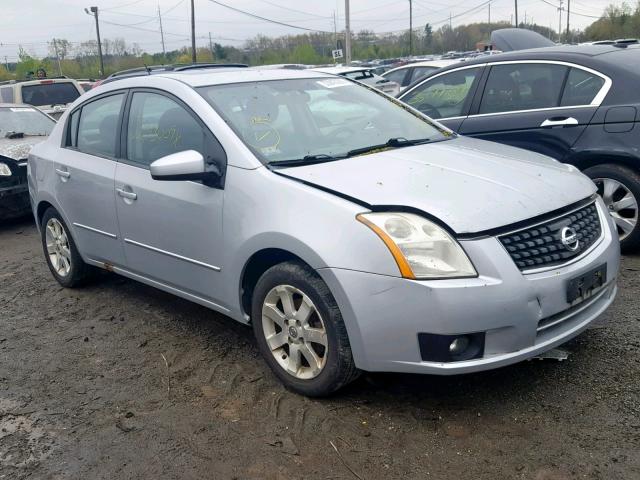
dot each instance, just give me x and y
(541, 245)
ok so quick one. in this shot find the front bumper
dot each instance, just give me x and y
(384, 315)
(14, 201)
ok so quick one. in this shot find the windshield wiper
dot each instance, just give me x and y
(306, 160)
(396, 142)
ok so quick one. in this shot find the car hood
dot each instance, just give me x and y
(471, 185)
(18, 148)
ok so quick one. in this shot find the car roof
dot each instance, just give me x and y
(200, 78)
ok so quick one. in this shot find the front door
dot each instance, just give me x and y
(542, 107)
(85, 173)
(171, 230)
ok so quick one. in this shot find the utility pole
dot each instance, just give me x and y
(55, 47)
(568, 13)
(410, 28)
(193, 33)
(450, 24)
(560, 22)
(489, 13)
(164, 53)
(211, 47)
(347, 32)
(516, 13)
(94, 11)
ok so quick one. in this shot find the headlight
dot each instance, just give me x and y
(5, 171)
(422, 249)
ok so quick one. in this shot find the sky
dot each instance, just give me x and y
(32, 23)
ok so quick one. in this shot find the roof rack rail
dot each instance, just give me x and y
(178, 67)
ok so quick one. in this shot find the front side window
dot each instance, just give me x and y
(50, 94)
(25, 120)
(323, 116)
(98, 126)
(444, 96)
(581, 88)
(159, 126)
(522, 86)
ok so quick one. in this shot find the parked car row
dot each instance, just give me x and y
(351, 231)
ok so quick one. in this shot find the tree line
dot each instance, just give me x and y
(81, 61)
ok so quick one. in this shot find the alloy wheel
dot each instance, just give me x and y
(295, 332)
(58, 248)
(621, 203)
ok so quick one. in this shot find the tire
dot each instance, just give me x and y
(332, 367)
(72, 271)
(626, 182)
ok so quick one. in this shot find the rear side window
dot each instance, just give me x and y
(50, 94)
(520, 86)
(581, 88)
(159, 126)
(444, 96)
(6, 94)
(98, 126)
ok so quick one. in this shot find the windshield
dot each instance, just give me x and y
(293, 119)
(24, 120)
(49, 94)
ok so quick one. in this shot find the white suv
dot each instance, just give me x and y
(51, 95)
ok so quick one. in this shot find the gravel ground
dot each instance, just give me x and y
(121, 381)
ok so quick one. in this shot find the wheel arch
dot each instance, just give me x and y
(258, 263)
(592, 158)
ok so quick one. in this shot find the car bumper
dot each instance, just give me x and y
(14, 201)
(384, 315)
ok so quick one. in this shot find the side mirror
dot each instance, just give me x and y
(186, 165)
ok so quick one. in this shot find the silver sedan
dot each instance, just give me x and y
(350, 231)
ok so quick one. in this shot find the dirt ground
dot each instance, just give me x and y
(85, 393)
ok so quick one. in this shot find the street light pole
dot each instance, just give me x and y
(193, 33)
(94, 11)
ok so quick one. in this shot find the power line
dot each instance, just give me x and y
(259, 17)
(294, 10)
(122, 6)
(573, 12)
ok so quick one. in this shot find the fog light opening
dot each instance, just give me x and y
(459, 345)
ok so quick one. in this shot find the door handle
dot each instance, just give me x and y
(128, 195)
(63, 173)
(559, 122)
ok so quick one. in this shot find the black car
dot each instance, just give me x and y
(577, 104)
(21, 127)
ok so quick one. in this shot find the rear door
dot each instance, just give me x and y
(447, 96)
(85, 171)
(542, 106)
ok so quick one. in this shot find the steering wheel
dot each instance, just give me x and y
(341, 133)
(430, 111)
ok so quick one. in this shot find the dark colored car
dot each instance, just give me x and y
(21, 127)
(577, 104)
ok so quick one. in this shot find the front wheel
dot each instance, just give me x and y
(300, 331)
(619, 188)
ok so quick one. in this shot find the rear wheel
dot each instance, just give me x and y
(60, 251)
(619, 188)
(300, 331)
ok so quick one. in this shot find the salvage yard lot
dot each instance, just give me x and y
(119, 380)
